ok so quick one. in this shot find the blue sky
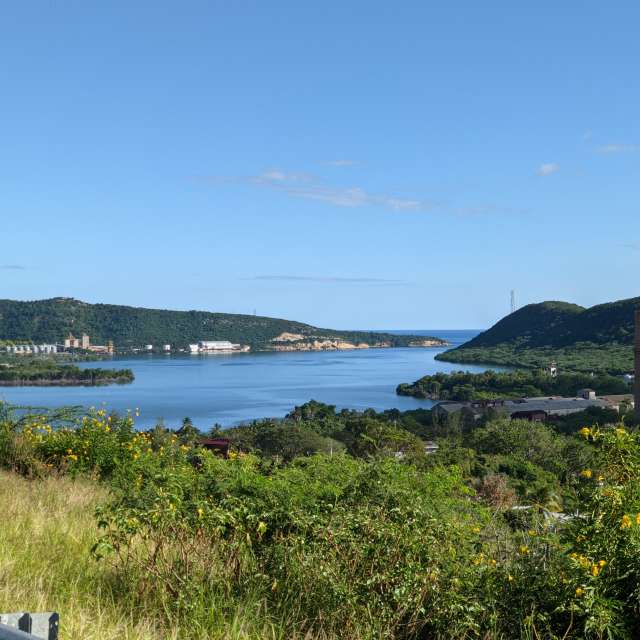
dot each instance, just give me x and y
(349, 164)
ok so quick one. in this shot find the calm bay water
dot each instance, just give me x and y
(228, 389)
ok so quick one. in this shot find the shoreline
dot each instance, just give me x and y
(63, 383)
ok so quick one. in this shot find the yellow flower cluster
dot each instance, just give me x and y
(626, 522)
(594, 567)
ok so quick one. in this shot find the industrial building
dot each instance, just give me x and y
(31, 349)
(213, 346)
(71, 342)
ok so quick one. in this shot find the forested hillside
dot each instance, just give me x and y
(595, 339)
(51, 320)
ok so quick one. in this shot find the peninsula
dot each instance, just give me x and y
(134, 328)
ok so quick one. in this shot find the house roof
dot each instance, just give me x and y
(550, 405)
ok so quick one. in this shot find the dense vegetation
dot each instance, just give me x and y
(463, 385)
(52, 320)
(312, 540)
(48, 371)
(597, 339)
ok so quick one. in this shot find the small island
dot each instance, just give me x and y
(49, 373)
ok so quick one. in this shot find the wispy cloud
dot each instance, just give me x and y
(619, 148)
(303, 185)
(341, 163)
(633, 246)
(548, 168)
(12, 267)
(326, 279)
(587, 135)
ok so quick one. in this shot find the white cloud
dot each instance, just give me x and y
(12, 267)
(548, 168)
(310, 187)
(302, 185)
(619, 148)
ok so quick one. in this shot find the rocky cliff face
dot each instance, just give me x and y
(318, 345)
(290, 342)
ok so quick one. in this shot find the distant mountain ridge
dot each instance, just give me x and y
(130, 327)
(599, 338)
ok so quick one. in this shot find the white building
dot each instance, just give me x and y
(28, 349)
(166, 347)
(215, 346)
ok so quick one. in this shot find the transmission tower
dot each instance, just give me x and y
(513, 300)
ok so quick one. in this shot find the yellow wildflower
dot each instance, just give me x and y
(200, 512)
(524, 549)
(579, 591)
(585, 432)
(637, 518)
(626, 522)
(587, 473)
(595, 570)
(602, 563)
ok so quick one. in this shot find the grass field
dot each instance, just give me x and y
(46, 534)
(47, 529)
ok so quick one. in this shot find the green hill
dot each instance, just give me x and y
(596, 339)
(130, 327)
